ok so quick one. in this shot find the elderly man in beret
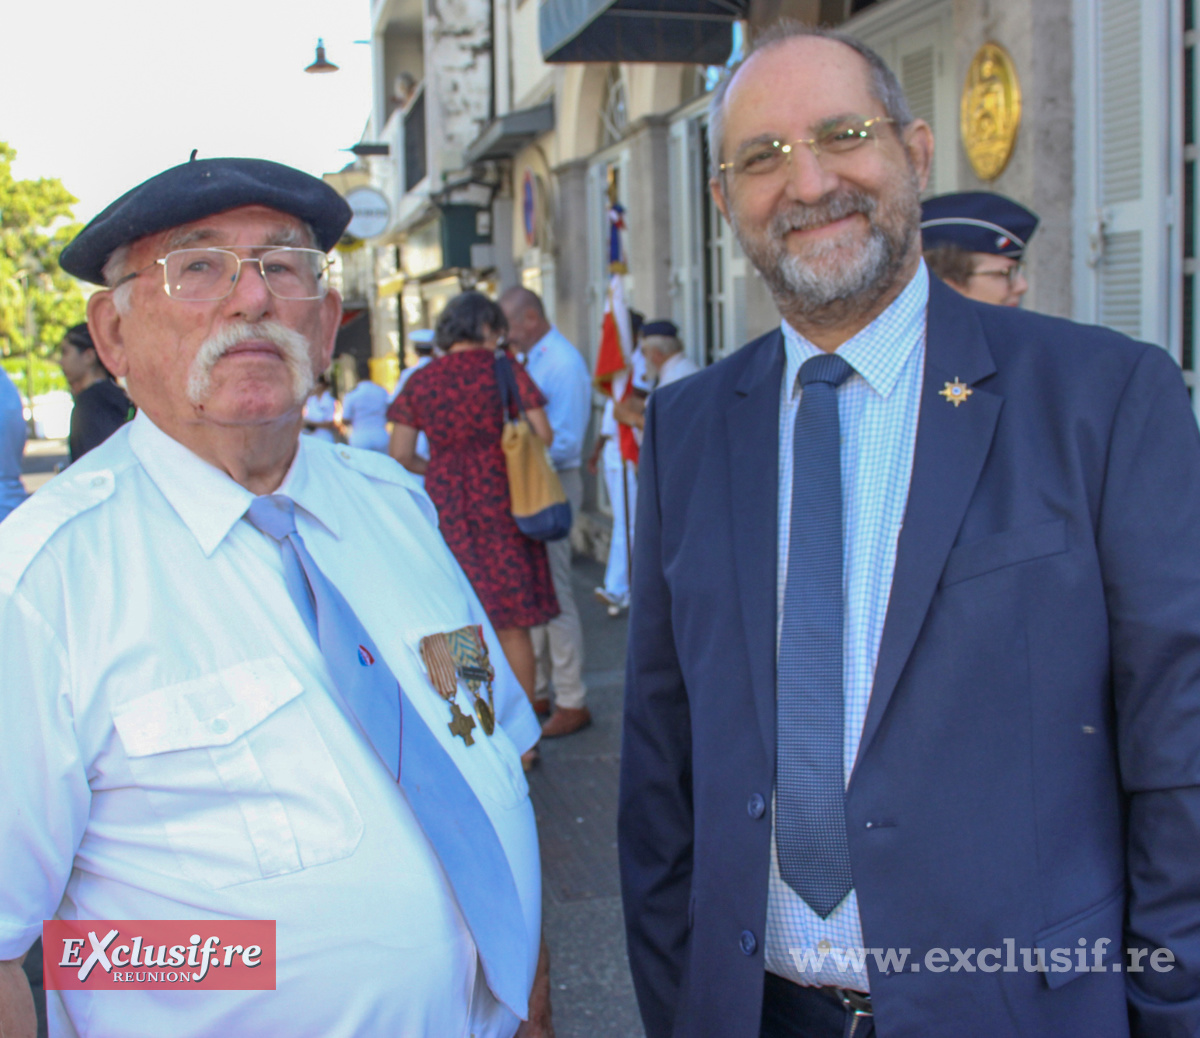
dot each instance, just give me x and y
(234, 659)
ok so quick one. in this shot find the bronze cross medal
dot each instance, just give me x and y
(462, 724)
(439, 664)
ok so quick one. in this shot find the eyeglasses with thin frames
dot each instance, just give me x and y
(206, 275)
(763, 158)
(1010, 274)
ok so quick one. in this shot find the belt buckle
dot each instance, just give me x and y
(856, 1002)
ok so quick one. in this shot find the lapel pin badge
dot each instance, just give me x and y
(956, 392)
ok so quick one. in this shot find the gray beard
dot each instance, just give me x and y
(810, 286)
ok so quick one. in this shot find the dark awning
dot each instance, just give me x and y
(694, 31)
(504, 136)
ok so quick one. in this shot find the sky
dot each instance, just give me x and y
(103, 94)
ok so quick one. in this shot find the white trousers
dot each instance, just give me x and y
(558, 645)
(620, 549)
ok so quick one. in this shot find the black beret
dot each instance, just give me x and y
(198, 189)
(977, 221)
(666, 328)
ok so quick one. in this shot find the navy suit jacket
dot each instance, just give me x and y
(1030, 762)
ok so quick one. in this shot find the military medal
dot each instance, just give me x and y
(462, 724)
(956, 392)
(461, 654)
(469, 651)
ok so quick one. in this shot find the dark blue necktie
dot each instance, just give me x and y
(810, 784)
(444, 803)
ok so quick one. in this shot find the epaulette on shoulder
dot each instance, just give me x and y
(383, 467)
(29, 527)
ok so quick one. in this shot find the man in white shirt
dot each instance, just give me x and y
(559, 370)
(665, 358)
(365, 411)
(665, 353)
(321, 411)
(189, 744)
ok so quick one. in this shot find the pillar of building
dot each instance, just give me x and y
(1041, 172)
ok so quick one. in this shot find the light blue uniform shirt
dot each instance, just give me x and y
(561, 374)
(12, 445)
(877, 409)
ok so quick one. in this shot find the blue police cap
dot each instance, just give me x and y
(198, 189)
(666, 328)
(977, 221)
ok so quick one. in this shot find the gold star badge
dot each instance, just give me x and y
(956, 392)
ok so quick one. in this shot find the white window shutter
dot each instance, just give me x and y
(1127, 275)
(687, 180)
(919, 47)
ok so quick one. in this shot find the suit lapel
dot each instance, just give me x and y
(752, 435)
(952, 444)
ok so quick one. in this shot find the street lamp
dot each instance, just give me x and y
(321, 65)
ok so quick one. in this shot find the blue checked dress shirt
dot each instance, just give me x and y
(877, 409)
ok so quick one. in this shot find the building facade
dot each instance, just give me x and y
(509, 124)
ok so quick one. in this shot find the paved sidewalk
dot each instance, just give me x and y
(574, 794)
(41, 456)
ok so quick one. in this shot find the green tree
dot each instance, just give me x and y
(36, 223)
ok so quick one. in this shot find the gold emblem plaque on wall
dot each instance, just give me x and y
(991, 110)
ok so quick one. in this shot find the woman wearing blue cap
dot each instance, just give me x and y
(975, 242)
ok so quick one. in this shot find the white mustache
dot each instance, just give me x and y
(805, 217)
(293, 346)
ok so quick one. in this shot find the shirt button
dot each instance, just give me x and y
(748, 942)
(220, 726)
(756, 805)
(823, 946)
(97, 481)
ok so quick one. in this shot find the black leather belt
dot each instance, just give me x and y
(847, 1014)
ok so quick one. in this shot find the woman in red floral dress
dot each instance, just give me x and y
(455, 401)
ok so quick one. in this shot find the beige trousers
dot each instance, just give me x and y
(558, 645)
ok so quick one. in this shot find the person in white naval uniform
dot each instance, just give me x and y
(178, 738)
(620, 479)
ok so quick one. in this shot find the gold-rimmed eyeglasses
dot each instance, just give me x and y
(764, 156)
(204, 275)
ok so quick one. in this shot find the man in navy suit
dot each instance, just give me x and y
(980, 813)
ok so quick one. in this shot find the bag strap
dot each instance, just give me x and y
(510, 392)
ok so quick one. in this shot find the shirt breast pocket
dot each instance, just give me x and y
(239, 775)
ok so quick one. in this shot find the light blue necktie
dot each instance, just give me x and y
(444, 803)
(810, 784)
